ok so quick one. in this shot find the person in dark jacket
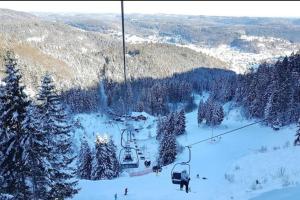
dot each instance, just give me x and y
(185, 179)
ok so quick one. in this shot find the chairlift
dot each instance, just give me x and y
(130, 157)
(176, 175)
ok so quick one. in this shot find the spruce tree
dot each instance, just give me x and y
(37, 154)
(106, 164)
(13, 138)
(85, 160)
(100, 164)
(180, 123)
(201, 112)
(112, 156)
(56, 125)
(167, 144)
(160, 127)
(167, 149)
(217, 114)
(272, 106)
(209, 110)
(170, 123)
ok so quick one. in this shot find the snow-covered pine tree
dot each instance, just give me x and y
(100, 162)
(85, 160)
(217, 114)
(160, 127)
(170, 123)
(180, 123)
(209, 109)
(112, 156)
(106, 164)
(201, 112)
(12, 136)
(167, 144)
(297, 140)
(272, 106)
(36, 154)
(157, 99)
(263, 80)
(167, 149)
(56, 125)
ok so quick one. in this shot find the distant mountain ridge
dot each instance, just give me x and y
(79, 58)
(241, 42)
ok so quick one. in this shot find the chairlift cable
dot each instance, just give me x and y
(123, 38)
(225, 133)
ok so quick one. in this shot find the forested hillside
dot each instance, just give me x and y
(272, 91)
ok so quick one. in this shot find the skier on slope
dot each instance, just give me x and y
(185, 179)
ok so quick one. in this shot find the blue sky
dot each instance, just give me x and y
(214, 8)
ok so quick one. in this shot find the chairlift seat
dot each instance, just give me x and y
(128, 158)
(129, 165)
(176, 177)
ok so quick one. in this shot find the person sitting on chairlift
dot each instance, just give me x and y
(185, 179)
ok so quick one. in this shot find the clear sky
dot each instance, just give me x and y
(214, 8)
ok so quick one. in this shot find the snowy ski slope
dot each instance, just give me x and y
(231, 165)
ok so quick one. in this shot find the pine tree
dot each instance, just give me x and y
(297, 140)
(209, 110)
(55, 124)
(167, 146)
(112, 156)
(106, 164)
(37, 154)
(272, 106)
(100, 164)
(13, 138)
(167, 149)
(217, 114)
(160, 127)
(201, 112)
(85, 161)
(169, 123)
(180, 123)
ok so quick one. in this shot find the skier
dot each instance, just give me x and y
(185, 179)
(126, 190)
(116, 196)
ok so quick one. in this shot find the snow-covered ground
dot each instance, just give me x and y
(291, 193)
(232, 165)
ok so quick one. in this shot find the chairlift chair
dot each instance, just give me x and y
(176, 175)
(130, 157)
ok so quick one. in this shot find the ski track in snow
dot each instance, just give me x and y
(240, 154)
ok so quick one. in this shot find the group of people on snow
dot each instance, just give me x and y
(184, 181)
